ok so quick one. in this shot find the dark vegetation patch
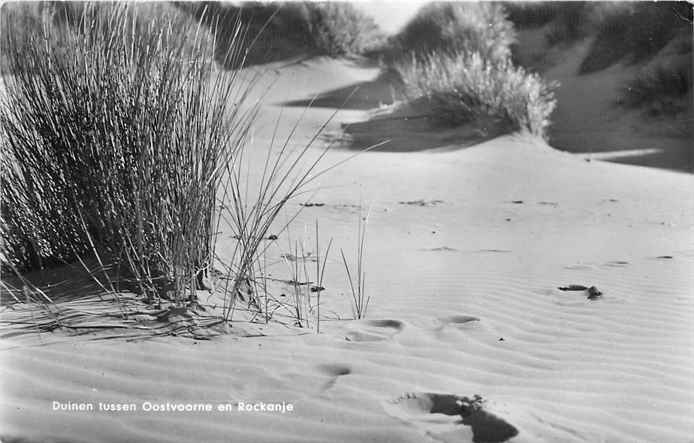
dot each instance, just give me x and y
(565, 21)
(630, 32)
(635, 32)
(661, 90)
(271, 31)
(281, 30)
(455, 27)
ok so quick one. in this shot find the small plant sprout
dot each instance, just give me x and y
(320, 273)
(360, 301)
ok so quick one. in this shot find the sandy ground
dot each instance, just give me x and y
(466, 249)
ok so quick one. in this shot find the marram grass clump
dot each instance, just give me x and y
(115, 133)
(462, 87)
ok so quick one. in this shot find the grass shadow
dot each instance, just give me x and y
(681, 159)
(67, 282)
(411, 128)
(383, 90)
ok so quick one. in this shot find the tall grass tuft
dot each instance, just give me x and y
(252, 206)
(117, 133)
(462, 87)
(357, 277)
(320, 273)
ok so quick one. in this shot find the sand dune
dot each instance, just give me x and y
(465, 301)
(588, 119)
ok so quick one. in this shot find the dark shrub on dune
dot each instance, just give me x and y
(525, 15)
(281, 30)
(565, 21)
(635, 32)
(662, 89)
(341, 29)
(571, 23)
(271, 31)
(459, 27)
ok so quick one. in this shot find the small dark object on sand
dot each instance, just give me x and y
(573, 288)
(272, 237)
(308, 204)
(594, 293)
(421, 202)
(517, 202)
(665, 257)
(317, 288)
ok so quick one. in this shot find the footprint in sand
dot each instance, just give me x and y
(458, 319)
(451, 418)
(616, 263)
(454, 323)
(374, 330)
(497, 251)
(421, 202)
(335, 371)
(440, 249)
(581, 267)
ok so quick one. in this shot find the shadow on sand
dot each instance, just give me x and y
(373, 94)
(406, 131)
(398, 127)
(671, 151)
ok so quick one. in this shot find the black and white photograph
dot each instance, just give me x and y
(325, 221)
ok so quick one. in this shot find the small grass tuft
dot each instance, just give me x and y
(357, 277)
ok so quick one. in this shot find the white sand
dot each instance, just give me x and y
(617, 369)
